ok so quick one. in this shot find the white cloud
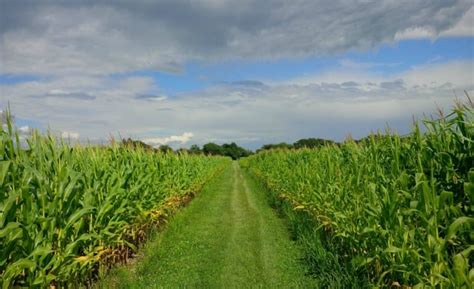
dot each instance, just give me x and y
(156, 141)
(457, 73)
(330, 104)
(25, 130)
(81, 88)
(70, 135)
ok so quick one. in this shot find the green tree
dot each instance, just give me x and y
(231, 150)
(195, 149)
(234, 151)
(212, 149)
(182, 151)
(165, 149)
(312, 143)
(282, 145)
(136, 144)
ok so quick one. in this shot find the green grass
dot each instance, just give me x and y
(228, 237)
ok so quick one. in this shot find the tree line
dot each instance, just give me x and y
(231, 150)
(302, 143)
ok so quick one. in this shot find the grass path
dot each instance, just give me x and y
(228, 237)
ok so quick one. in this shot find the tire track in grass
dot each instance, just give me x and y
(246, 266)
(228, 237)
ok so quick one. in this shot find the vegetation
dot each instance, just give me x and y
(139, 144)
(231, 150)
(302, 143)
(386, 211)
(68, 213)
(312, 143)
(239, 242)
(282, 145)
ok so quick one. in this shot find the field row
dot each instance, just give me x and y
(68, 213)
(386, 211)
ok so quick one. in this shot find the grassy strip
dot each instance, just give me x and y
(228, 237)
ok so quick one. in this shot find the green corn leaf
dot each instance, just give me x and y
(392, 249)
(457, 225)
(42, 279)
(9, 209)
(77, 215)
(16, 269)
(4, 165)
(11, 227)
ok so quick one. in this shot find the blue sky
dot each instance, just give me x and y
(386, 59)
(175, 73)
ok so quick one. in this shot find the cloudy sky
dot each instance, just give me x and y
(254, 72)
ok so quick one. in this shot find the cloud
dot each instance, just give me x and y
(70, 38)
(3, 116)
(77, 88)
(458, 73)
(329, 104)
(182, 139)
(25, 130)
(150, 97)
(463, 28)
(248, 83)
(393, 85)
(81, 56)
(71, 135)
(66, 95)
(349, 84)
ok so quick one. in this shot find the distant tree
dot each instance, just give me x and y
(165, 149)
(195, 149)
(234, 151)
(136, 144)
(312, 143)
(231, 150)
(212, 149)
(182, 151)
(281, 145)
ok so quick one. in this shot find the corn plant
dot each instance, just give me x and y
(68, 212)
(391, 211)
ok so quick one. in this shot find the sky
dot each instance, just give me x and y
(190, 72)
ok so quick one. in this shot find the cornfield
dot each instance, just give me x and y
(389, 211)
(68, 212)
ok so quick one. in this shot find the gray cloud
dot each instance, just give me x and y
(396, 84)
(101, 37)
(78, 45)
(349, 84)
(276, 112)
(249, 83)
(66, 95)
(150, 97)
